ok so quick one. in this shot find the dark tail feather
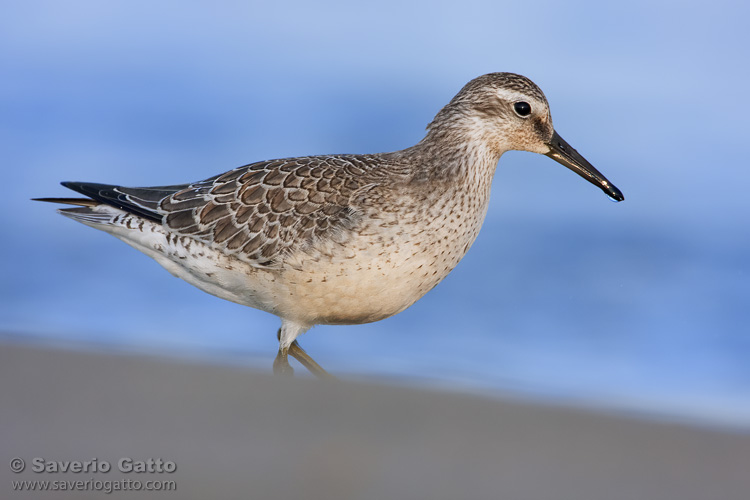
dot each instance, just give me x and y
(79, 202)
(144, 201)
(114, 196)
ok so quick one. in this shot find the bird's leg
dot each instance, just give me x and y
(300, 355)
(281, 364)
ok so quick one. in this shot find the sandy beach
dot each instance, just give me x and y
(235, 433)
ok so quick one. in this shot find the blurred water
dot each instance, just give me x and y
(642, 304)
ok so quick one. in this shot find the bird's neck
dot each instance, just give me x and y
(458, 153)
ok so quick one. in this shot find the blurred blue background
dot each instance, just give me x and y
(565, 296)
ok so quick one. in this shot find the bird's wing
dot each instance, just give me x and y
(260, 212)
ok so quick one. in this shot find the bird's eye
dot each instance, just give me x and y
(522, 108)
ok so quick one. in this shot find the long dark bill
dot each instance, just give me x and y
(561, 152)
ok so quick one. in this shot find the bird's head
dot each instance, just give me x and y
(504, 111)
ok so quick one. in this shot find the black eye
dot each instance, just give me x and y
(522, 108)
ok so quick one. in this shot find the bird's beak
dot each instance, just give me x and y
(561, 152)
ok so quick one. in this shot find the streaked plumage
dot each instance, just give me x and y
(340, 239)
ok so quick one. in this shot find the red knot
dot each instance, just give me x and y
(338, 239)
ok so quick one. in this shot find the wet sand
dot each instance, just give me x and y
(236, 433)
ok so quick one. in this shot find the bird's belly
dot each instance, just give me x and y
(341, 292)
(370, 280)
(329, 290)
(362, 284)
(368, 276)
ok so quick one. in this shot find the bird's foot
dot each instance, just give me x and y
(281, 366)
